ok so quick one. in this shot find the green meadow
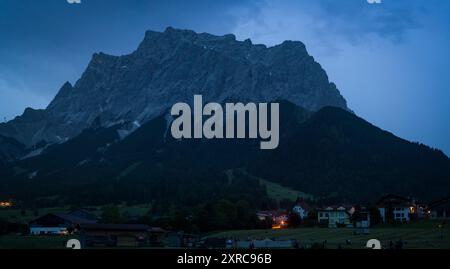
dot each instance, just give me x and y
(422, 235)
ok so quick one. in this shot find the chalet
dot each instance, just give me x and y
(301, 209)
(395, 208)
(121, 235)
(440, 209)
(57, 224)
(279, 218)
(334, 216)
(361, 220)
(263, 215)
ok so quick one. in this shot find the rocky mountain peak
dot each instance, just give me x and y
(170, 67)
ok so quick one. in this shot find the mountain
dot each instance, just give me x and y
(105, 139)
(10, 149)
(331, 153)
(336, 153)
(170, 67)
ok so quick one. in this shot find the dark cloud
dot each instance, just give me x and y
(356, 20)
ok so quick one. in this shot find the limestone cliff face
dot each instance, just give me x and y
(170, 67)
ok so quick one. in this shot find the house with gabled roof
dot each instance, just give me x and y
(440, 209)
(334, 216)
(57, 224)
(396, 208)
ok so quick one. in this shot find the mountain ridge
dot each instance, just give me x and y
(172, 66)
(328, 153)
(104, 139)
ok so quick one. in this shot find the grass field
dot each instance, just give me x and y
(274, 190)
(415, 236)
(424, 235)
(278, 192)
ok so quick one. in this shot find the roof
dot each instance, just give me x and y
(333, 208)
(336, 209)
(73, 220)
(122, 227)
(440, 204)
(157, 230)
(395, 200)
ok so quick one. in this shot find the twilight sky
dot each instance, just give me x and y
(391, 61)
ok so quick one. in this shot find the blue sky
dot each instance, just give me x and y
(391, 61)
